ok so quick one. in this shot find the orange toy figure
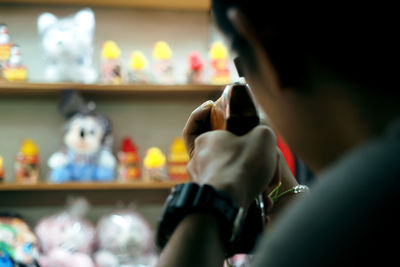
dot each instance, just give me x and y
(219, 64)
(5, 47)
(27, 162)
(128, 162)
(2, 172)
(14, 70)
(177, 160)
(110, 64)
(154, 165)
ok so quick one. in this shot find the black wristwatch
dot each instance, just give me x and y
(190, 198)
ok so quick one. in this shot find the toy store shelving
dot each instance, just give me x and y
(43, 186)
(40, 194)
(142, 89)
(199, 5)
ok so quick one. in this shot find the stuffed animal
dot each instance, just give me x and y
(68, 46)
(124, 238)
(87, 138)
(66, 238)
(18, 243)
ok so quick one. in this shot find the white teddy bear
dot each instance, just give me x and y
(67, 43)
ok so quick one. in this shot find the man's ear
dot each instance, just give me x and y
(45, 21)
(246, 30)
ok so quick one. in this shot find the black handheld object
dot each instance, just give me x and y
(235, 111)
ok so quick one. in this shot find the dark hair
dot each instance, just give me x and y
(355, 44)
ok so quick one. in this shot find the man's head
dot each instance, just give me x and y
(315, 70)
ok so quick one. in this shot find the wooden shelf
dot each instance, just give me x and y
(25, 88)
(99, 186)
(197, 5)
(45, 195)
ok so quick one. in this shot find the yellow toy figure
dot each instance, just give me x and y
(138, 64)
(219, 64)
(2, 171)
(111, 64)
(178, 159)
(27, 162)
(154, 165)
(163, 68)
(14, 71)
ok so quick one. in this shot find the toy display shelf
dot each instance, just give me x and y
(26, 88)
(45, 194)
(44, 186)
(198, 5)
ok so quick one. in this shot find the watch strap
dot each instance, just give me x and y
(188, 198)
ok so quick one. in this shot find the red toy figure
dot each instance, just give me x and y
(128, 161)
(195, 73)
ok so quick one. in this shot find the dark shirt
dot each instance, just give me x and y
(349, 218)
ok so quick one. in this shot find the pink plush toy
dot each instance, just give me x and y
(66, 239)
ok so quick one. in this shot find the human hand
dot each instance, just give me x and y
(243, 166)
(197, 124)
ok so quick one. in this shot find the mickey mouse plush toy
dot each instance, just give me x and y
(87, 138)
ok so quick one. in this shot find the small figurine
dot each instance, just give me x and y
(219, 64)
(68, 46)
(87, 153)
(163, 68)
(67, 238)
(111, 63)
(178, 159)
(17, 241)
(154, 165)
(2, 171)
(14, 70)
(125, 238)
(195, 72)
(128, 161)
(4, 37)
(27, 162)
(138, 65)
(5, 47)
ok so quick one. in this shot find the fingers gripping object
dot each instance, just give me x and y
(236, 112)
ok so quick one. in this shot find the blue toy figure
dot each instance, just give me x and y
(86, 156)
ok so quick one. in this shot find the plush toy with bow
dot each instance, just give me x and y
(87, 137)
(68, 46)
(125, 238)
(66, 238)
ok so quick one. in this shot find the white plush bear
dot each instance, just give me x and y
(67, 43)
